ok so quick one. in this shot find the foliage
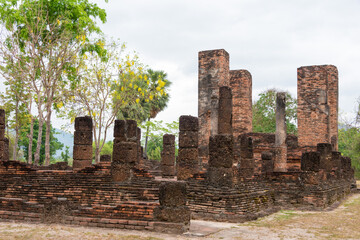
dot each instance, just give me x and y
(65, 156)
(156, 131)
(106, 150)
(39, 44)
(264, 119)
(349, 145)
(24, 141)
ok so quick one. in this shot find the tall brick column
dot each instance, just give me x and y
(241, 86)
(188, 158)
(82, 153)
(2, 136)
(125, 150)
(220, 171)
(213, 73)
(172, 212)
(280, 134)
(318, 105)
(168, 156)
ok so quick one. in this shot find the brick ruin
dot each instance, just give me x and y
(223, 170)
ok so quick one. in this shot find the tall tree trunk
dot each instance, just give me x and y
(47, 137)
(30, 137)
(16, 130)
(97, 154)
(146, 138)
(38, 144)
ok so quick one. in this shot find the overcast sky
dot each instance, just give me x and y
(271, 39)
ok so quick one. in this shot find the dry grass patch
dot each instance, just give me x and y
(341, 223)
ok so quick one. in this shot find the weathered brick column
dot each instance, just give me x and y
(221, 157)
(125, 150)
(241, 86)
(168, 156)
(140, 158)
(188, 158)
(280, 160)
(172, 212)
(213, 73)
(225, 111)
(82, 153)
(318, 105)
(247, 162)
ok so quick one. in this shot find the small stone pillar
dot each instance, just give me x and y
(267, 162)
(105, 158)
(138, 132)
(168, 156)
(82, 151)
(325, 151)
(221, 157)
(188, 158)
(247, 162)
(173, 214)
(3, 146)
(280, 135)
(125, 150)
(225, 111)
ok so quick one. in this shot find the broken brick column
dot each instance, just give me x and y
(317, 105)
(280, 160)
(168, 156)
(82, 153)
(173, 214)
(247, 162)
(125, 150)
(140, 158)
(213, 74)
(188, 157)
(221, 157)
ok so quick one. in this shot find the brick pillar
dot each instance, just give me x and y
(280, 135)
(172, 212)
(188, 158)
(82, 151)
(2, 136)
(225, 111)
(318, 105)
(221, 157)
(325, 151)
(125, 150)
(241, 86)
(168, 156)
(247, 162)
(213, 73)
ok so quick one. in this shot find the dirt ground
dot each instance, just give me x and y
(341, 223)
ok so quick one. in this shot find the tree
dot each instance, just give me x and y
(65, 156)
(108, 85)
(46, 36)
(264, 119)
(54, 143)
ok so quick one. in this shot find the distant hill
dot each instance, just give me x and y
(67, 139)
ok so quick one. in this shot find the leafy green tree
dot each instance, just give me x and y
(54, 143)
(42, 40)
(106, 150)
(264, 119)
(107, 86)
(155, 137)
